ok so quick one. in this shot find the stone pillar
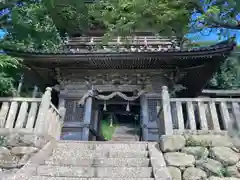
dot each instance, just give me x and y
(42, 113)
(87, 118)
(144, 117)
(166, 114)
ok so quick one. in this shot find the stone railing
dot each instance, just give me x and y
(36, 115)
(207, 114)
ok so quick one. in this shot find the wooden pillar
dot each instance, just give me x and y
(61, 108)
(144, 117)
(87, 118)
(166, 110)
(96, 112)
(42, 113)
(61, 102)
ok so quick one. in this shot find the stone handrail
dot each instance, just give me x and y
(210, 114)
(54, 122)
(36, 115)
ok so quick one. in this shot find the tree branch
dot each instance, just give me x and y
(216, 24)
(213, 23)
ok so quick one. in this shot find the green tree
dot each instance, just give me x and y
(121, 17)
(217, 14)
(69, 16)
(228, 75)
(32, 29)
(29, 28)
(223, 17)
(8, 74)
(124, 17)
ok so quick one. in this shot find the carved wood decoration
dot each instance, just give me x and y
(77, 81)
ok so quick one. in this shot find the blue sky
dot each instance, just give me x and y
(2, 33)
(212, 36)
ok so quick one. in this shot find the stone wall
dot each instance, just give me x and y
(16, 149)
(201, 157)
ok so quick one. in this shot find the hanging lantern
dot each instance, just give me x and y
(105, 106)
(111, 121)
(128, 107)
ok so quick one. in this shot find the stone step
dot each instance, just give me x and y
(117, 146)
(91, 154)
(125, 138)
(97, 172)
(114, 162)
(71, 178)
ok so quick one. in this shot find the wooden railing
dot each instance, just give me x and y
(37, 115)
(180, 114)
(137, 40)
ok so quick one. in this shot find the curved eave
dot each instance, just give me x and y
(163, 59)
(201, 52)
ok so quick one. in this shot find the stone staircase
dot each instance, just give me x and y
(125, 132)
(98, 161)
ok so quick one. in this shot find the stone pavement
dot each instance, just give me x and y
(72, 160)
(125, 132)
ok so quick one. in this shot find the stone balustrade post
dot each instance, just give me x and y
(42, 113)
(166, 113)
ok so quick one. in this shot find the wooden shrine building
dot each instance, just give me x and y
(91, 77)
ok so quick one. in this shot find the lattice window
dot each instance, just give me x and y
(79, 113)
(74, 112)
(152, 109)
(69, 110)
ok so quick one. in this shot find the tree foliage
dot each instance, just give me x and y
(69, 16)
(228, 75)
(222, 17)
(122, 17)
(8, 74)
(32, 29)
(28, 27)
(125, 17)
